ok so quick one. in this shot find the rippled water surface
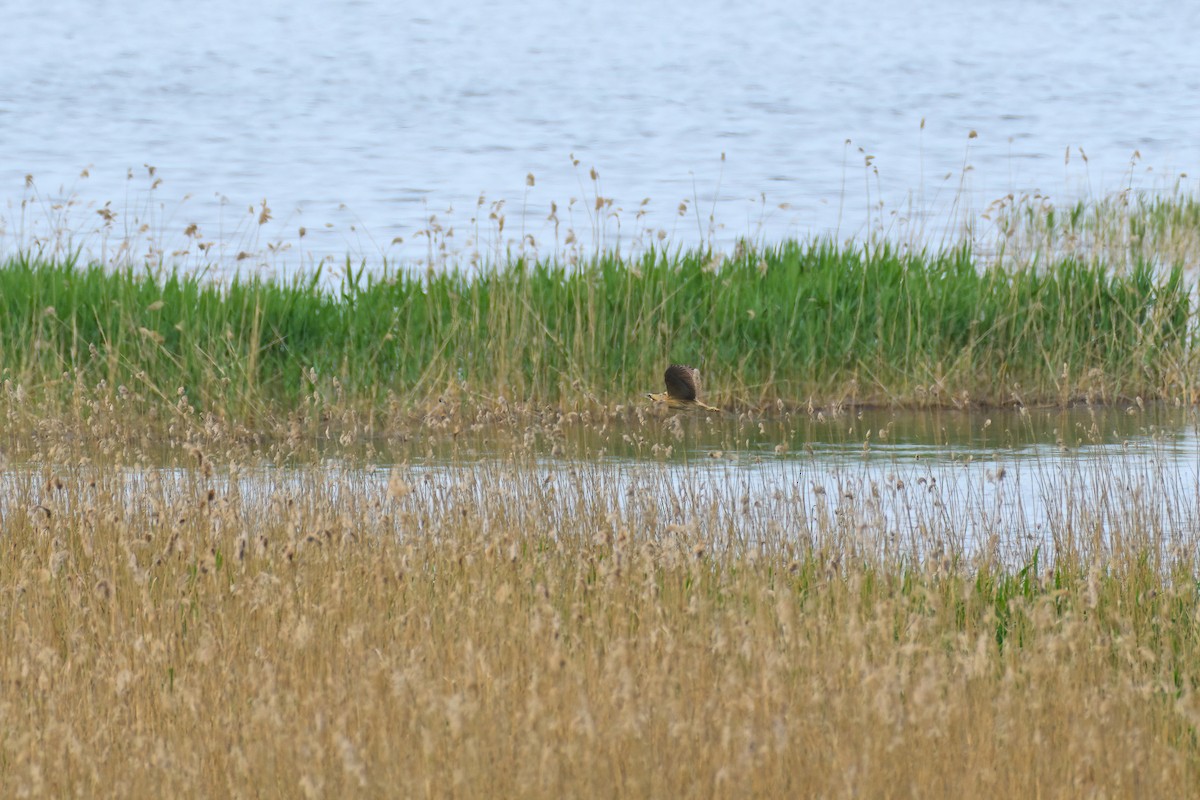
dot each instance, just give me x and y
(1013, 482)
(359, 120)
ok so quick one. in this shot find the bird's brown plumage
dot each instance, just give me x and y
(681, 382)
(683, 385)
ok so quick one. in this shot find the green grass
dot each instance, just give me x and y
(795, 323)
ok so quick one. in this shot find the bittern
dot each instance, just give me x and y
(682, 387)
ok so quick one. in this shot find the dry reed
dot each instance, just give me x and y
(503, 627)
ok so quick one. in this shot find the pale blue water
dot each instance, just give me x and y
(915, 504)
(917, 485)
(359, 120)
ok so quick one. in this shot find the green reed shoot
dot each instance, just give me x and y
(794, 323)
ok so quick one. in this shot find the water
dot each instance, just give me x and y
(1008, 483)
(359, 120)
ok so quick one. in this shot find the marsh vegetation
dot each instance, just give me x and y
(786, 326)
(534, 626)
(412, 535)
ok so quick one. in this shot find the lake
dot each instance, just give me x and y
(360, 121)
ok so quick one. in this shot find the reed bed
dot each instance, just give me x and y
(791, 325)
(509, 627)
(1118, 229)
(412, 535)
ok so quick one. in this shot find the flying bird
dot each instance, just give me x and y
(682, 387)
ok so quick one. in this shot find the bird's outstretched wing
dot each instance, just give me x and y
(681, 382)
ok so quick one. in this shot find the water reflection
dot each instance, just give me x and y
(835, 439)
(919, 485)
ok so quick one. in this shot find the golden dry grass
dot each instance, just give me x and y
(482, 630)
